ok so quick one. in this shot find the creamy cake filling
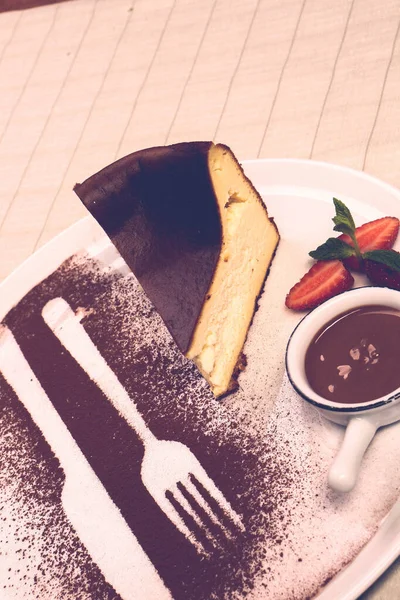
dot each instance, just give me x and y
(249, 240)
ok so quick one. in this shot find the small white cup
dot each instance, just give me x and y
(361, 419)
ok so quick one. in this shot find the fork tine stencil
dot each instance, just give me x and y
(165, 463)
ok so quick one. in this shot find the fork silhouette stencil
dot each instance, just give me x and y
(169, 470)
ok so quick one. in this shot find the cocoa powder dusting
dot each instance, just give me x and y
(40, 555)
(176, 404)
(265, 449)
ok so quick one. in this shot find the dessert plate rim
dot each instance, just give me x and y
(275, 174)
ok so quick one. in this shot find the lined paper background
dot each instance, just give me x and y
(87, 81)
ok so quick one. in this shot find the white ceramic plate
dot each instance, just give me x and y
(297, 193)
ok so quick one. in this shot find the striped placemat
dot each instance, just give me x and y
(83, 82)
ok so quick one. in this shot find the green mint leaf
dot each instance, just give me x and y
(389, 258)
(333, 249)
(344, 228)
(343, 220)
(344, 223)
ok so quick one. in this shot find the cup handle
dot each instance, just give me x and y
(346, 465)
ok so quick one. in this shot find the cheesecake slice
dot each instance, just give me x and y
(197, 236)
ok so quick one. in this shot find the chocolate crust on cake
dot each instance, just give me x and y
(164, 233)
(197, 235)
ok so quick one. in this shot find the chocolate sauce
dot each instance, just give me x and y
(355, 357)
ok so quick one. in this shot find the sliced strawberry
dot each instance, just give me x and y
(324, 280)
(381, 275)
(380, 234)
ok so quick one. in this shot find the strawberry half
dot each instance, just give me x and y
(324, 280)
(381, 275)
(380, 234)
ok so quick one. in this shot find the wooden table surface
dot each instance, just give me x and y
(87, 81)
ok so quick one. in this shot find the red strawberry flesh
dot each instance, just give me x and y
(324, 280)
(380, 234)
(381, 275)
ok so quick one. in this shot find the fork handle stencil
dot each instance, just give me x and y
(166, 464)
(67, 327)
(97, 521)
